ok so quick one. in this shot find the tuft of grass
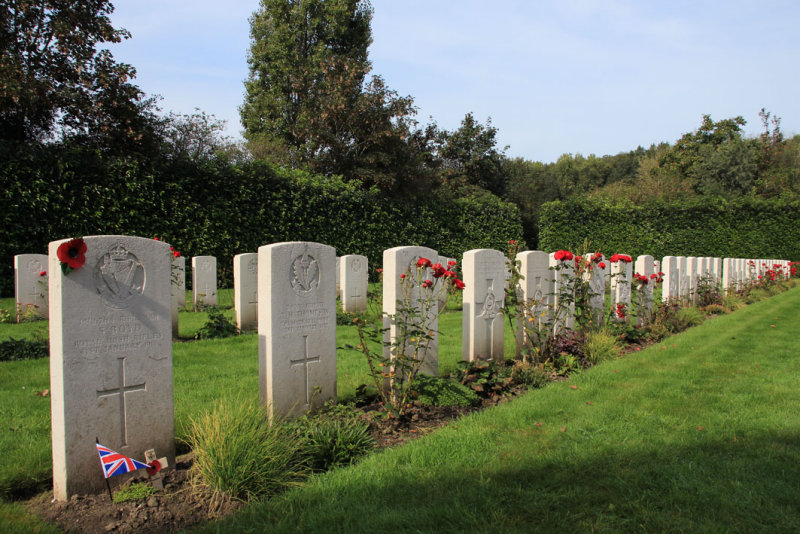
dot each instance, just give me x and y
(530, 374)
(689, 317)
(133, 492)
(714, 309)
(330, 443)
(601, 346)
(241, 453)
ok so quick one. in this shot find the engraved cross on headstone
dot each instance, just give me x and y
(121, 390)
(489, 313)
(304, 361)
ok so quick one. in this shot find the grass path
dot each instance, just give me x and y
(700, 433)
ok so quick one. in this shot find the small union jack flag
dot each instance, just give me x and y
(115, 463)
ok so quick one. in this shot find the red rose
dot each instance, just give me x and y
(402, 276)
(625, 258)
(653, 276)
(563, 255)
(427, 284)
(459, 284)
(602, 265)
(176, 254)
(380, 270)
(423, 262)
(71, 254)
(451, 263)
(43, 273)
(157, 239)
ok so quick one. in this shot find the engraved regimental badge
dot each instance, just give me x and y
(304, 274)
(119, 277)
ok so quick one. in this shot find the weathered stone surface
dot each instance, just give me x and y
(296, 326)
(596, 277)
(110, 358)
(354, 282)
(399, 261)
(30, 285)
(245, 290)
(204, 281)
(692, 267)
(482, 319)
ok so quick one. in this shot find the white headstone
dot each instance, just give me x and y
(204, 281)
(535, 291)
(399, 261)
(482, 322)
(354, 282)
(177, 290)
(644, 310)
(30, 283)
(691, 273)
(563, 271)
(296, 326)
(621, 279)
(110, 358)
(338, 277)
(670, 288)
(245, 290)
(683, 277)
(597, 286)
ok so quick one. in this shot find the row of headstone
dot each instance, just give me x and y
(111, 352)
(683, 275)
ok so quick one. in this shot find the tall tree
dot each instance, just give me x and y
(303, 54)
(55, 78)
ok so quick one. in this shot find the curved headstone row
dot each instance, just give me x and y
(111, 321)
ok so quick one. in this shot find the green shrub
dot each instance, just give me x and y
(335, 442)
(485, 378)
(743, 228)
(23, 349)
(217, 326)
(714, 309)
(601, 346)
(133, 492)
(688, 317)
(438, 391)
(530, 374)
(239, 452)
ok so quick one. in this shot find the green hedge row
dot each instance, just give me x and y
(220, 209)
(744, 228)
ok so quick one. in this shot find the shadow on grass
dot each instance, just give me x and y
(747, 485)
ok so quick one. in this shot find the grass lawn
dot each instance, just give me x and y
(698, 433)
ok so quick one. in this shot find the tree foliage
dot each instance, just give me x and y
(56, 80)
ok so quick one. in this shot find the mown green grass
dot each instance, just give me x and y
(204, 372)
(700, 433)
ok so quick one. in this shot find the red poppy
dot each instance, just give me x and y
(154, 467)
(71, 254)
(563, 255)
(43, 273)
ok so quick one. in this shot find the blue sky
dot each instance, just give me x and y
(554, 76)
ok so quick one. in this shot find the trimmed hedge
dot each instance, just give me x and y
(221, 209)
(743, 228)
